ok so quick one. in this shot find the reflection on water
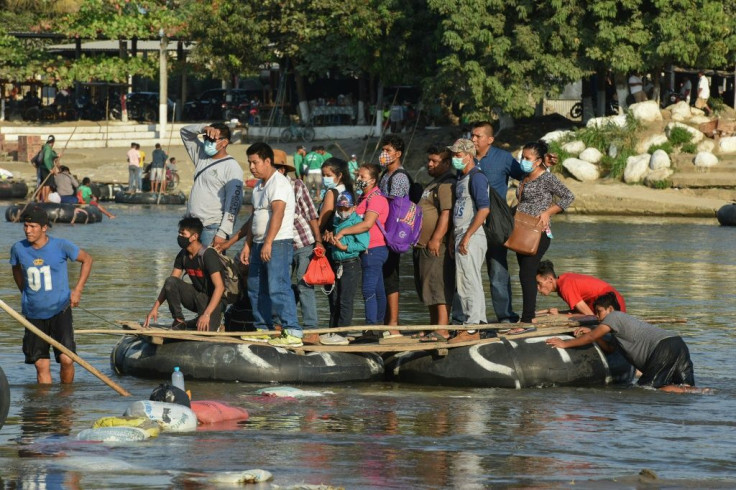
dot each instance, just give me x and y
(384, 434)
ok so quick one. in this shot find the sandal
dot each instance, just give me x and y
(521, 330)
(433, 337)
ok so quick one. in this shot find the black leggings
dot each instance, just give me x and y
(528, 265)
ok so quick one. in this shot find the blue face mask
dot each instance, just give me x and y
(526, 166)
(328, 182)
(210, 148)
(458, 163)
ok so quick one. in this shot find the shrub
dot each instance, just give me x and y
(562, 155)
(667, 147)
(661, 184)
(615, 166)
(680, 136)
(689, 148)
(716, 104)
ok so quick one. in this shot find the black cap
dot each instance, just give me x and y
(35, 214)
(50, 139)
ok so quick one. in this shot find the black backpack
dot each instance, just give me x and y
(37, 161)
(500, 221)
(232, 277)
(415, 188)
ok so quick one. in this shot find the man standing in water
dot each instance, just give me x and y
(217, 187)
(40, 272)
(662, 356)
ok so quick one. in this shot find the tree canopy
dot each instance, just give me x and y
(475, 54)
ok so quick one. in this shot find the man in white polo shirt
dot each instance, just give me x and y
(269, 249)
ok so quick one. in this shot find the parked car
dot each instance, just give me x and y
(218, 103)
(141, 106)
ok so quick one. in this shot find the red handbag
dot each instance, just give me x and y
(319, 272)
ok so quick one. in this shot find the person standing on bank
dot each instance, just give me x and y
(204, 294)
(434, 266)
(540, 194)
(703, 93)
(269, 249)
(498, 166)
(394, 183)
(158, 172)
(472, 206)
(217, 189)
(47, 169)
(40, 272)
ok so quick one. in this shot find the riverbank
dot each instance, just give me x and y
(602, 197)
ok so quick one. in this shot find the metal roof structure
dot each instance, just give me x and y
(113, 46)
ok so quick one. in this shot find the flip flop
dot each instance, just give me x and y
(521, 330)
(433, 337)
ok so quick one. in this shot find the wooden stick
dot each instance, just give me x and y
(63, 349)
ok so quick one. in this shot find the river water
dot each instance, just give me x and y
(390, 435)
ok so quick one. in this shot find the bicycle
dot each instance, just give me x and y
(294, 131)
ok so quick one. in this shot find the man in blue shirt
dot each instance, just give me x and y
(40, 271)
(497, 165)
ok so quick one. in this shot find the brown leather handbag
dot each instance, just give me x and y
(526, 234)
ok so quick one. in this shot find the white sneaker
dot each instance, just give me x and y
(333, 339)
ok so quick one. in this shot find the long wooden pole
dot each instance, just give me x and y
(38, 189)
(10, 311)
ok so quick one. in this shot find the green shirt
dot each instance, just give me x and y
(326, 156)
(298, 162)
(49, 155)
(314, 160)
(86, 193)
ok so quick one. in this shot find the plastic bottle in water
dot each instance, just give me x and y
(177, 378)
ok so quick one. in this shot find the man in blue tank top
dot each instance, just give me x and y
(40, 271)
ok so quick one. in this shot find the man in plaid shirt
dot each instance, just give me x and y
(306, 238)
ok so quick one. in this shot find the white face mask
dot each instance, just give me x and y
(344, 214)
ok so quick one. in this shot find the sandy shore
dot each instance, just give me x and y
(602, 197)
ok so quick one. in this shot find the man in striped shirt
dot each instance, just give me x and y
(306, 238)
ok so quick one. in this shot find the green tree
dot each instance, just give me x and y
(505, 54)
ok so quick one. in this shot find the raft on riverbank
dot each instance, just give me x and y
(13, 189)
(59, 213)
(726, 215)
(150, 198)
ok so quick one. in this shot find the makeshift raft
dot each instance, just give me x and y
(150, 198)
(726, 215)
(13, 189)
(59, 213)
(505, 361)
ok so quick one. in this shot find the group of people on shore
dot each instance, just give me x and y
(286, 229)
(136, 159)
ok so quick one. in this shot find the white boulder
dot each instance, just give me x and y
(727, 144)
(680, 111)
(647, 111)
(653, 140)
(698, 136)
(657, 176)
(660, 159)
(637, 167)
(581, 170)
(574, 147)
(699, 120)
(707, 145)
(555, 135)
(602, 122)
(705, 159)
(591, 155)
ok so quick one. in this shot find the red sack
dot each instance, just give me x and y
(319, 272)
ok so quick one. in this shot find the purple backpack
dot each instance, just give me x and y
(403, 225)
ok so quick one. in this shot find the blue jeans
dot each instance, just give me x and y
(374, 294)
(269, 288)
(308, 302)
(208, 234)
(498, 275)
(133, 178)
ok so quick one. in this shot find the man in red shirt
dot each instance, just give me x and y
(579, 291)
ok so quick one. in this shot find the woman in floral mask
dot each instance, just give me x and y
(540, 194)
(335, 180)
(372, 207)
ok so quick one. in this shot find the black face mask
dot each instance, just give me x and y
(183, 241)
